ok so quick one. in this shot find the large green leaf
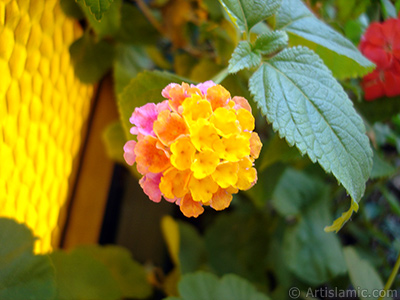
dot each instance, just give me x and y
(234, 241)
(362, 275)
(310, 253)
(129, 274)
(338, 53)
(247, 13)
(206, 286)
(23, 275)
(129, 61)
(243, 57)
(144, 88)
(97, 7)
(307, 106)
(79, 276)
(91, 59)
(294, 191)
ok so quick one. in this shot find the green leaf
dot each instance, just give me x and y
(129, 274)
(388, 9)
(144, 88)
(91, 60)
(362, 275)
(338, 53)
(79, 276)
(307, 106)
(129, 61)
(271, 42)
(243, 58)
(247, 13)
(380, 167)
(311, 254)
(114, 140)
(233, 242)
(191, 248)
(23, 275)
(97, 7)
(232, 287)
(110, 22)
(294, 191)
(206, 286)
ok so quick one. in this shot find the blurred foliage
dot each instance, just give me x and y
(272, 238)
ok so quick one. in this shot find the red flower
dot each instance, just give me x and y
(381, 44)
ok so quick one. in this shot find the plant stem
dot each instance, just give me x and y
(149, 15)
(391, 277)
(220, 76)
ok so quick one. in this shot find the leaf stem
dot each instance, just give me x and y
(391, 277)
(149, 15)
(220, 76)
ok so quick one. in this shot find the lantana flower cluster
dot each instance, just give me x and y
(196, 148)
(381, 44)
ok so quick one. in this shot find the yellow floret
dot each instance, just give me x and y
(203, 134)
(204, 163)
(234, 147)
(202, 190)
(246, 119)
(247, 174)
(195, 108)
(226, 174)
(182, 153)
(225, 121)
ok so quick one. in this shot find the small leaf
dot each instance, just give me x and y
(307, 106)
(144, 88)
(247, 13)
(243, 58)
(362, 275)
(110, 21)
(91, 60)
(271, 42)
(80, 276)
(23, 275)
(97, 7)
(338, 53)
(310, 253)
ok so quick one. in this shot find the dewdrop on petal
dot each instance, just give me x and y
(196, 148)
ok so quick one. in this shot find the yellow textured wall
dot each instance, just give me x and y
(42, 109)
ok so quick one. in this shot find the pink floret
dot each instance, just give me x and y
(204, 86)
(129, 152)
(144, 117)
(165, 91)
(149, 184)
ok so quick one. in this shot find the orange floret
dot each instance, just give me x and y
(169, 126)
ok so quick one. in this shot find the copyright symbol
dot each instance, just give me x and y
(294, 293)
